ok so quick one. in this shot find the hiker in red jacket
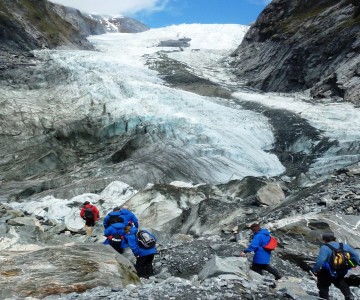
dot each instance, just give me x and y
(91, 215)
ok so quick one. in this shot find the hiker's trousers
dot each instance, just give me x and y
(144, 266)
(325, 280)
(258, 268)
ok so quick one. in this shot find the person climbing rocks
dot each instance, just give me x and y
(142, 243)
(119, 214)
(261, 260)
(328, 272)
(115, 237)
(91, 215)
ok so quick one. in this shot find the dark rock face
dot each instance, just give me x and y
(26, 25)
(297, 45)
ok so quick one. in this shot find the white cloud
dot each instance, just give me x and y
(115, 7)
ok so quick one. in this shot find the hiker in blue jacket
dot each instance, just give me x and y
(115, 237)
(144, 257)
(126, 215)
(325, 275)
(261, 260)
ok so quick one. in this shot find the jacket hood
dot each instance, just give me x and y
(114, 213)
(118, 225)
(264, 231)
(88, 206)
(125, 211)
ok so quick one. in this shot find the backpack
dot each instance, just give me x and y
(271, 245)
(114, 219)
(340, 259)
(89, 214)
(145, 239)
(116, 239)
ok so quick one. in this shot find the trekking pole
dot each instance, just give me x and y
(313, 275)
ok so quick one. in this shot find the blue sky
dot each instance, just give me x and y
(160, 13)
(203, 11)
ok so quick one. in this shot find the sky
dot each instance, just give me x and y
(161, 13)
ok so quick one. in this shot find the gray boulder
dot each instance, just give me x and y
(63, 270)
(270, 194)
(229, 265)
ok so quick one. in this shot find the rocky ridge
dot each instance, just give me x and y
(298, 45)
(192, 260)
(27, 25)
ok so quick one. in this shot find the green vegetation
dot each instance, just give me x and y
(36, 13)
(47, 22)
(2, 6)
(4, 18)
(4, 14)
(7, 26)
(351, 22)
(292, 24)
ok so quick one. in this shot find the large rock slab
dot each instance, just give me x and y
(228, 265)
(66, 269)
(270, 194)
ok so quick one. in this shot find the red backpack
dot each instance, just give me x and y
(271, 245)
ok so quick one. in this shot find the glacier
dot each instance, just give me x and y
(109, 113)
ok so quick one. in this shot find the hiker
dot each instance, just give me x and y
(91, 215)
(261, 260)
(120, 213)
(115, 237)
(324, 271)
(144, 256)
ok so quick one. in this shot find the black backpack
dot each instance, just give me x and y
(115, 219)
(340, 259)
(116, 239)
(89, 214)
(145, 239)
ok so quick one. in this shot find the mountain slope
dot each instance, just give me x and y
(297, 45)
(26, 25)
(120, 24)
